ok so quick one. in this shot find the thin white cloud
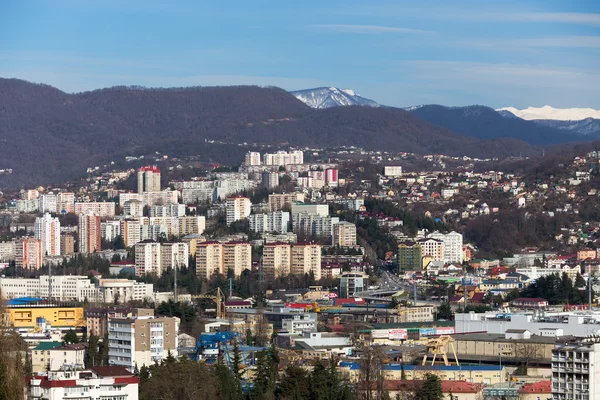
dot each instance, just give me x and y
(367, 29)
(526, 44)
(545, 17)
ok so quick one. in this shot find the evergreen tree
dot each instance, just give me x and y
(93, 356)
(70, 337)
(431, 389)
(104, 352)
(295, 383)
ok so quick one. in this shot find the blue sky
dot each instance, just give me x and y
(400, 53)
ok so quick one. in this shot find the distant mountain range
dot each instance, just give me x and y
(551, 113)
(48, 136)
(485, 123)
(326, 97)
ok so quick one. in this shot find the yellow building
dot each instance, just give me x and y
(40, 356)
(57, 317)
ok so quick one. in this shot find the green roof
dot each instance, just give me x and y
(48, 345)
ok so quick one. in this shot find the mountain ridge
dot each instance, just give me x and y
(326, 97)
(550, 113)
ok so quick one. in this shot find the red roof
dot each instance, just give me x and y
(537, 387)
(350, 300)
(111, 371)
(152, 168)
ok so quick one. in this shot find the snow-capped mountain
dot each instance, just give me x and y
(325, 97)
(551, 113)
(588, 126)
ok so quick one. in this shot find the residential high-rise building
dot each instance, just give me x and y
(278, 202)
(47, 229)
(7, 251)
(101, 208)
(90, 233)
(148, 258)
(331, 177)
(409, 256)
(65, 203)
(133, 208)
(168, 210)
(277, 221)
(453, 243)
(209, 259)
(269, 180)
(142, 340)
(344, 234)
(237, 256)
(575, 369)
(148, 179)
(392, 170)
(433, 248)
(47, 203)
(130, 231)
(28, 253)
(313, 225)
(306, 259)
(277, 259)
(252, 159)
(310, 208)
(110, 230)
(283, 158)
(155, 258)
(67, 244)
(237, 208)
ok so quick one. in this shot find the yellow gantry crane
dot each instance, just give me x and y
(438, 346)
(218, 297)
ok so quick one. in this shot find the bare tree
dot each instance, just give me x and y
(12, 353)
(526, 354)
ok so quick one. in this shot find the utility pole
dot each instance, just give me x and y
(49, 281)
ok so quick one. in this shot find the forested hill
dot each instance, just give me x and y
(47, 135)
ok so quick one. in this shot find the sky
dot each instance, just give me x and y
(399, 53)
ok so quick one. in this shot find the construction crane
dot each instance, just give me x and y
(438, 346)
(218, 297)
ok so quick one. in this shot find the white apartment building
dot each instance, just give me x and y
(310, 208)
(47, 229)
(277, 221)
(102, 209)
(64, 288)
(148, 179)
(237, 208)
(300, 323)
(95, 383)
(433, 248)
(154, 257)
(167, 196)
(7, 251)
(133, 208)
(306, 259)
(198, 195)
(110, 230)
(252, 158)
(27, 205)
(453, 243)
(168, 210)
(269, 180)
(283, 158)
(392, 170)
(209, 259)
(576, 370)
(123, 290)
(141, 340)
(65, 202)
(343, 234)
(314, 225)
(47, 203)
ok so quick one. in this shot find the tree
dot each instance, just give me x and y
(295, 383)
(93, 355)
(444, 311)
(526, 353)
(12, 369)
(70, 337)
(431, 389)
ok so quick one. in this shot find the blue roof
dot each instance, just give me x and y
(23, 300)
(398, 367)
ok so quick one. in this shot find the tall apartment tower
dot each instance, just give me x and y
(149, 179)
(306, 259)
(28, 253)
(209, 259)
(90, 233)
(575, 369)
(47, 229)
(277, 260)
(237, 207)
(252, 159)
